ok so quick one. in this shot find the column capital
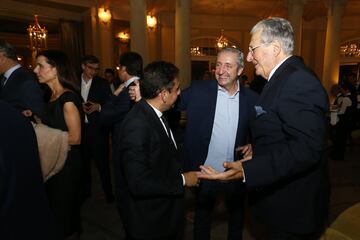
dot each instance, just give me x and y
(297, 2)
(331, 3)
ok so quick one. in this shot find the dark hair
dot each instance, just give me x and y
(158, 75)
(110, 70)
(7, 50)
(60, 61)
(89, 59)
(133, 63)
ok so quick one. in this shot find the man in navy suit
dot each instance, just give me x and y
(119, 104)
(152, 189)
(95, 91)
(218, 115)
(286, 173)
(24, 208)
(17, 85)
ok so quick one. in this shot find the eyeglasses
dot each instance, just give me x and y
(92, 68)
(252, 49)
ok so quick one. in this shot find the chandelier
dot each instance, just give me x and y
(37, 36)
(222, 41)
(350, 49)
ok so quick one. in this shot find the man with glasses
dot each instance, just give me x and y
(286, 174)
(218, 114)
(95, 91)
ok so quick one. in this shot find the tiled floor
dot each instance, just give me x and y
(101, 221)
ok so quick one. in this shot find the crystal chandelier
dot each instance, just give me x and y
(222, 41)
(37, 36)
(350, 49)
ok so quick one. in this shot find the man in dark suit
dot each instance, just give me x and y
(22, 192)
(218, 115)
(95, 91)
(151, 193)
(286, 173)
(17, 85)
(117, 106)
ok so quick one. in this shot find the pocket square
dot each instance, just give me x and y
(259, 111)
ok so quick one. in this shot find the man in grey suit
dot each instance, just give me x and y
(286, 174)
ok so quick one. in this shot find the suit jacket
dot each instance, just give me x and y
(24, 208)
(115, 109)
(99, 92)
(23, 92)
(151, 188)
(199, 102)
(288, 173)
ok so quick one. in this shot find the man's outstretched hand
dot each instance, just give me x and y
(234, 171)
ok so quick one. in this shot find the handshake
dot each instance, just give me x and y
(233, 170)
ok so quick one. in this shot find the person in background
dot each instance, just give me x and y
(286, 172)
(64, 112)
(112, 79)
(95, 91)
(17, 85)
(119, 104)
(151, 203)
(342, 125)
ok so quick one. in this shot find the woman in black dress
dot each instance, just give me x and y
(63, 111)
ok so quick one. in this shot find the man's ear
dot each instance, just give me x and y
(240, 71)
(276, 47)
(163, 94)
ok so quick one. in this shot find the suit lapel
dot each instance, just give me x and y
(211, 103)
(274, 80)
(242, 113)
(156, 122)
(92, 89)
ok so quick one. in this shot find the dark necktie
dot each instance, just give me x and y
(2, 81)
(163, 118)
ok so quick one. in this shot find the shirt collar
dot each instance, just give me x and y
(129, 81)
(220, 88)
(276, 67)
(158, 112)
(85, 82)
(11, 70)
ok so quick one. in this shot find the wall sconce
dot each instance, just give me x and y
(124, 37)
(104, 15)
(151, 22)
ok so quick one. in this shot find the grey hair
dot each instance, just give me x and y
(240, 55)
(7, 50)
(276, 29)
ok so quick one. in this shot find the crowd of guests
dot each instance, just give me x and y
(236, 142)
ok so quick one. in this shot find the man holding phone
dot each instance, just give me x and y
(95, 91)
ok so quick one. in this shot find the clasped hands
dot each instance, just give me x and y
(90, 107)
(233, 170)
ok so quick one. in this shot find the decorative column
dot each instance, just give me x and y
(138, 33)
(99, 39)
(332, 43)
(295, 13)
(182, 40)
(106, 46)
